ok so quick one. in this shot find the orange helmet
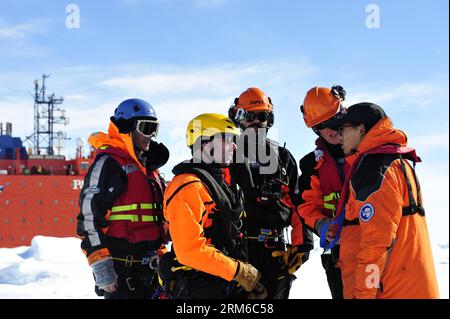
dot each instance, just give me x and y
(252, 100)
(321, 104)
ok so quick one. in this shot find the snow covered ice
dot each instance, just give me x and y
(56, 268)
(51, 268)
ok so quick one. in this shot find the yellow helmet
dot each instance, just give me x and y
(208, 125)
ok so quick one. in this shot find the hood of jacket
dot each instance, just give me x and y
(380, 134)
(115, 139)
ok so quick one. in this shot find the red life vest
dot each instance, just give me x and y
(330, 180)
(136, 215)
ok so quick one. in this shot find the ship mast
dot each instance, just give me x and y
(46, 115)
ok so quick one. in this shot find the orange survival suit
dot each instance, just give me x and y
(385, 247)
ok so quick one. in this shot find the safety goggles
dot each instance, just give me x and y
(148, 128)
(243, 115)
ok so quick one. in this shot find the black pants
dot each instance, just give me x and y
(278, 285)
(135, 282)
(333, 273)
(199, 285)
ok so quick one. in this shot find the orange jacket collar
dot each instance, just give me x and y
(382, 133)
(115, 139)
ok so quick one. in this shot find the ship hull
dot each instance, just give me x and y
(37, 205)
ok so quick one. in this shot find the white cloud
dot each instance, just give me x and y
(75, 97)
(159, 83)
(430, 142)
(21, 31)
(177, 111)
(421, 94)
(209, 80)
(19, 112)
(434, 182)
(17, 40)
(181, 93)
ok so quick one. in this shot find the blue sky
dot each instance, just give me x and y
(192, 56)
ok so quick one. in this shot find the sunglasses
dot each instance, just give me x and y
(148, 128)
(243, 115)
(331, 123)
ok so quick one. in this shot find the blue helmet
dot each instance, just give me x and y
(129, 111)
(134, 108)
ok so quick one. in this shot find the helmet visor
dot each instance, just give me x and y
(147, 128)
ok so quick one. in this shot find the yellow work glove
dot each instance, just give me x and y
(292, 258)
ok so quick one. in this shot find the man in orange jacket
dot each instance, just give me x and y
(323, 173)
(385, 246)
(205, 216)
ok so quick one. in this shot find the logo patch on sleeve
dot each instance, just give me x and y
(366, 212)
